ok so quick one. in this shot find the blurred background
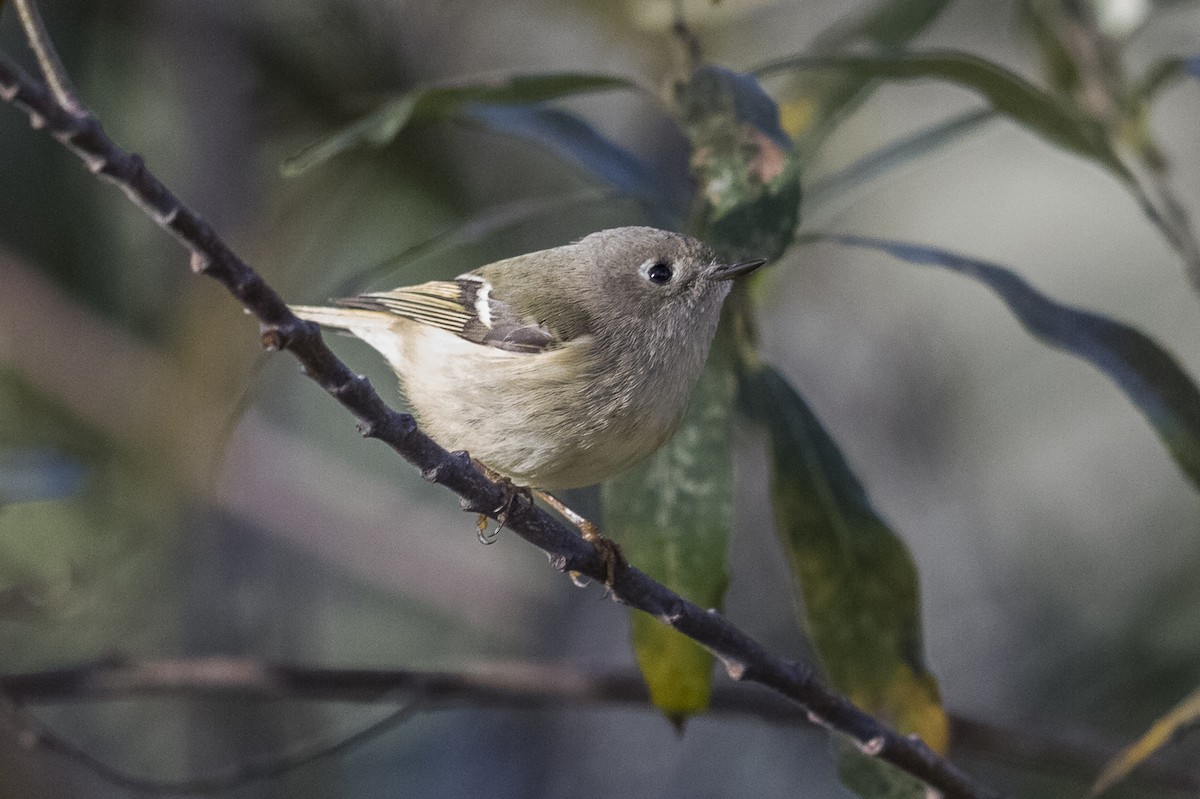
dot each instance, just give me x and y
(173, 491)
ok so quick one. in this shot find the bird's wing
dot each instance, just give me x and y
(465, 307)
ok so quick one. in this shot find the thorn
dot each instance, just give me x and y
(674, 613)
(404, 424)
(95, 164)
(873, 747)
(355, 383)
(167, 217)
(248, 286)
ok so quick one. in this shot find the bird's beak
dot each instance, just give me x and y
(730, 271)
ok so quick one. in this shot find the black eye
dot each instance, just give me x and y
(660, 273)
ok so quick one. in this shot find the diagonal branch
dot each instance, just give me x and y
(743, 657)
(47, 57)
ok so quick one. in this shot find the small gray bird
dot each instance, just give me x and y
(559, 368)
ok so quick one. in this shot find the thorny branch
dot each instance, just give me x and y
(743, 657)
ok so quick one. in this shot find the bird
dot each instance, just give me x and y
(555, 369)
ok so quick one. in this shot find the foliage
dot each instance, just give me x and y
(751, 139)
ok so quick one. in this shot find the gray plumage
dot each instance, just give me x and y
(558, 368)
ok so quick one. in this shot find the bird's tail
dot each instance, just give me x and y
(352, 319)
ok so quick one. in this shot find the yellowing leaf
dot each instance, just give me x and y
(677, 670)
(1182, 717)
(855, 576)
(671, 516)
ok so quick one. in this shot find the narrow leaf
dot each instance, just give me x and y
(855, 576)
(1008, 93)
(671, 516)
(385, 123)
(1148, 374)
(1164, 73)
(749, 181)
(897, 153)
(1183, 717)
(578, 142)
(888, 25)
(818, 101)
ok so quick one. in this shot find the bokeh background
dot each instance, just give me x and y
(174, 491)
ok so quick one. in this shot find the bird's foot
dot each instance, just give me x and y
(608, 549)
(512, 494)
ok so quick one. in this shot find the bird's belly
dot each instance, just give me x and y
(535, 418)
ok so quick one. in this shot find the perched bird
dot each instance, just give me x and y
(555, 369)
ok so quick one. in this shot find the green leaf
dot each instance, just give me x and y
(1045, 24)
(873, 778)
(817, 102)
(385, 123)
(1164, 73)
(890, 25)
(1183, 717)
(576, 141)
(855, 576)
(1008, 93)
(671, 517)
(749, 181)
(1148, 374)
(897, 153)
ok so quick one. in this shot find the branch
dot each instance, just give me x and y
(743, 657)
(519, 685)
(31, 734)
(512, 684)
(47, 57)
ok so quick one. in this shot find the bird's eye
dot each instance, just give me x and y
(660, 273)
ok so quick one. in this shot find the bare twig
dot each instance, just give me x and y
(47, 57)
(743, 657)
(518, 685)
(34, 734)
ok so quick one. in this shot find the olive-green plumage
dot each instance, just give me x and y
(559, 368)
